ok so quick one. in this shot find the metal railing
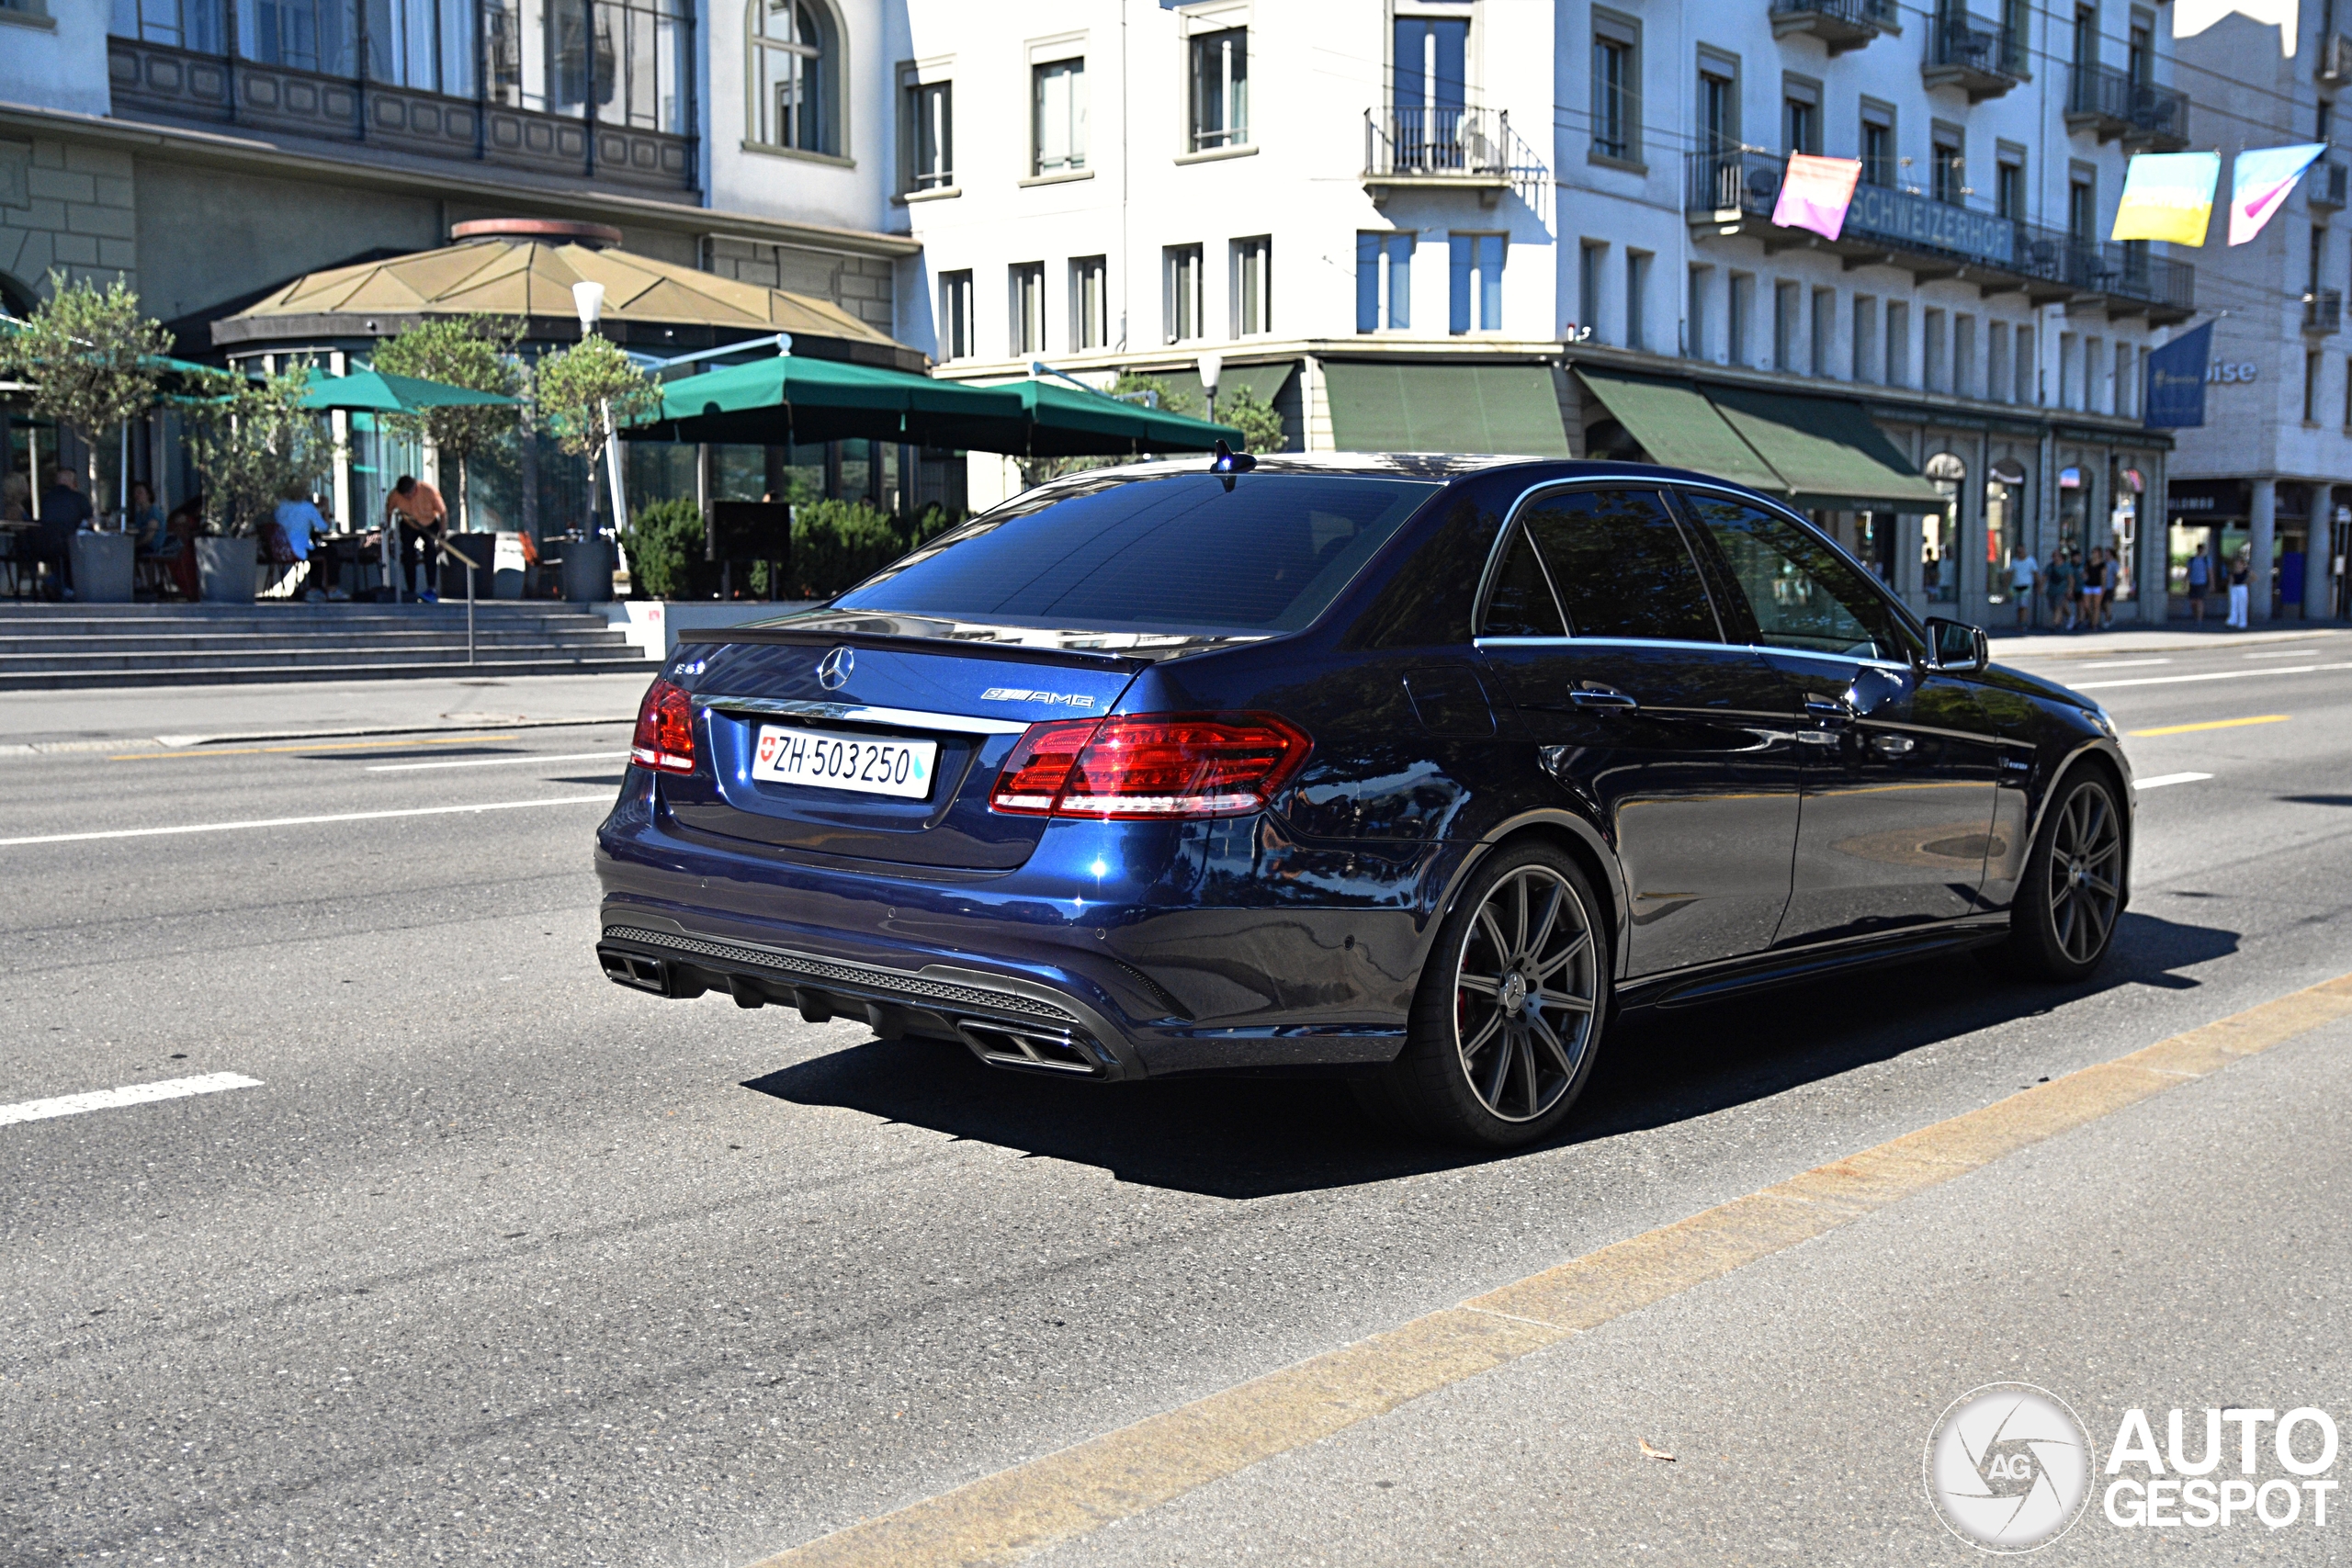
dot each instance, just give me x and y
(1859, 15)
(2328, 185)
(1742, 184)
(1417, 139)
(2139, 108)
(1971, 43)
(2324, 312)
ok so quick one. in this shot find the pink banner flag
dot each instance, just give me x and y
(1815, 192)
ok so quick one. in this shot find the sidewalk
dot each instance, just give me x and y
(2177, 636)
(183, 715)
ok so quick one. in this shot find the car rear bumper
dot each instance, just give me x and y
(1031, 978)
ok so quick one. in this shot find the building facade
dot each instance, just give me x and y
(2269, 475)
(209, 151)
(1401, 222)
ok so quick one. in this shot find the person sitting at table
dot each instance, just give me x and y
(147, 521)
(298, 520)
(416, 508)
(63, 513)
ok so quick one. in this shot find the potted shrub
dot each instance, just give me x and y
(253, 443)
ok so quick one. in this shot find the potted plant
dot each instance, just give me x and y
(254, 444)
(589, 392)
(93, 362)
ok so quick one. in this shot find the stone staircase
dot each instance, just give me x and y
(63, 647)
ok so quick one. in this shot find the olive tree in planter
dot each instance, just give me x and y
(92, 361)
(473, 351)
(255, 444)
(584, 394)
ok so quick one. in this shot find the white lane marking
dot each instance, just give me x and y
(2279, 653)
(2124, 663)
(129, 1094)
(605, 799)
(2212, 675)
(497, 762)
(2163, 779)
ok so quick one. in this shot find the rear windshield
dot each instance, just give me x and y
(1252, 552)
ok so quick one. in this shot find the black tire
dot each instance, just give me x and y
(1520, 971)
(2064, 918)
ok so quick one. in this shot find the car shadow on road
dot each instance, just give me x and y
(1256, 1137)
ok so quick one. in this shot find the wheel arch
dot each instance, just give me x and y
(1574, 837)
(2102, 758)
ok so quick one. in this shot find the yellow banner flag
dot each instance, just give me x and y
(2167, 195)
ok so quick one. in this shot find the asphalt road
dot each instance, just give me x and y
(499, 1262)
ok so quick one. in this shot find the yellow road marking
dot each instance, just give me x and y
(2213, 724)
(1016, 1513)
(321, 746)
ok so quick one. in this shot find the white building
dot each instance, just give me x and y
(1405, 223)
(2269, 473)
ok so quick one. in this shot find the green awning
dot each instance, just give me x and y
(1678, 426)
(1263, 382)
(1064, 421)
(1827, 450)
(795, 397)
(380, 391)
(1444, 408)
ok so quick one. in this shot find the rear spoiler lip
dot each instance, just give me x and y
(1010, 652)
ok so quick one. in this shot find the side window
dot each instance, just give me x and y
(1521, 603)
(1804, 593)
(1621, 567)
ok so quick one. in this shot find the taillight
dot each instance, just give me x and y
(1150, 766)
(665, 730)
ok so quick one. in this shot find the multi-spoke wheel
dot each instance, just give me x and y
(1510, 1010)
(2066, 907)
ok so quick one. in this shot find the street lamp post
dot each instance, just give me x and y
(1212, 370)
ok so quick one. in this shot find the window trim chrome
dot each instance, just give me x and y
(860, 713)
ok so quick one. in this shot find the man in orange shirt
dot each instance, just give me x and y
(416, 508)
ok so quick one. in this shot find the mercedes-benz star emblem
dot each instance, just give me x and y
(833, 670)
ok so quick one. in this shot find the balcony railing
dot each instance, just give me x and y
(1472, 147)
(1739, 189)
(151, 80)
(1840, 24)
(2324, 313)
(2110, 101)
(2335, 61)
(2327, 185)
(1983, 59)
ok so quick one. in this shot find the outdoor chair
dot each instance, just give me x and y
(283, 569)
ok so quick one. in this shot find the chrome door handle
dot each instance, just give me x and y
(1606, 698)
(1828, 712)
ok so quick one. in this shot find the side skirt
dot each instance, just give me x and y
(1764, 971)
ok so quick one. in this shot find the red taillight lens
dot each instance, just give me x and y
(665, 730)
(1151, 766)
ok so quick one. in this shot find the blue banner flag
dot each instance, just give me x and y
(2176, 397)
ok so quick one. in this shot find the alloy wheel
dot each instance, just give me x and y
(1523, 994)
(2086, 852)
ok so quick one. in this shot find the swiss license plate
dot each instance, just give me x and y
(866, 764)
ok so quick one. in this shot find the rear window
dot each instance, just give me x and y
(1251, 552)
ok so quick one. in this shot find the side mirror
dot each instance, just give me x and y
(1957, 644)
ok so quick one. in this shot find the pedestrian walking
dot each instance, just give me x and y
(2200, 578)
(2239, 576)
(1932, 575)
(2093, 588)
(2024, 572)
(2054, 591)
(416, 508)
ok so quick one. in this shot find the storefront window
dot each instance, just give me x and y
(1940, 535)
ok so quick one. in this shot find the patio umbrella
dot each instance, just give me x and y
(1062, 421)
(793, 397)
(377, 392)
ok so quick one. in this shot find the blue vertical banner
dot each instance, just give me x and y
(2176, 392)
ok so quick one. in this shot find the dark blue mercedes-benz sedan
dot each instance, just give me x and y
(1416, 768)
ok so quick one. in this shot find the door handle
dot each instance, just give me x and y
(1828, 712)
(1607, 699)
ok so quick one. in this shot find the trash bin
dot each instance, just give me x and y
(482, 548)
(102, 566)
(588, 571)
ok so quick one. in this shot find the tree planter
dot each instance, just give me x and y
(229, 570)
(588, 571)
(102, 566)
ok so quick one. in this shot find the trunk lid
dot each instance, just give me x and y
(969, 695)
